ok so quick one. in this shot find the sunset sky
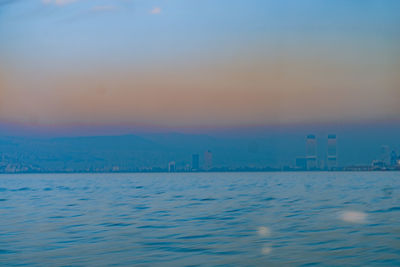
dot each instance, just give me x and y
(191, 63)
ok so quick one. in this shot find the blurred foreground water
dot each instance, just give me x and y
(200, 219)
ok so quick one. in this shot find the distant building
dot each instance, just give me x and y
(301, 164)
(195, 162)
(311, 152)
(385, 155)
(115, 168)
(188, 168)
(331, 162)
(207, 160)
(378, 165)
(171, 166)
(393, 158)
(358, 168)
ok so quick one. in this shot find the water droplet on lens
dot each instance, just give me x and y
(266, 250)
(264, 231)
(353, 216)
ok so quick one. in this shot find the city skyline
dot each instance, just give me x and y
(181, 153)
(249, 83)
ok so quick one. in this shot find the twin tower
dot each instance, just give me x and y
(310, 162)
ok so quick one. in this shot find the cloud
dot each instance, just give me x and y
(58, 2)
(103, 8)
(155, 10)
(6, 2)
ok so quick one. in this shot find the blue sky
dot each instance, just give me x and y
(83, 27)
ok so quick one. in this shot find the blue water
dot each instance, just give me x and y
(200, 219)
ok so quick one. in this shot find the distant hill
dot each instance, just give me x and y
(275, 147)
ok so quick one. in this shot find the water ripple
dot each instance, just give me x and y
(200, 219)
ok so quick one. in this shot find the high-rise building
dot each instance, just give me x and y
(171, 166)
(311, 152)
(195, 162)
(385, 155)
(207, 160)
(331, 160)
(393, 158)
(188, 168)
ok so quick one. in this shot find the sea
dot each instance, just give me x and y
(200, 219)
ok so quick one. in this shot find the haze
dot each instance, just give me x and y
(198, 63)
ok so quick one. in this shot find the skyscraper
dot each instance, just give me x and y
(171, 166)
(207, 160)
(195, 162)
(331, 162)
(385, 155)
(311, 152)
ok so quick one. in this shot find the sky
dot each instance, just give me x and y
(188, 63)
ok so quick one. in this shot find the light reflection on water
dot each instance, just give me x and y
(240, 219)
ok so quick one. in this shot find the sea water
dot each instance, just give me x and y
(201, 219)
